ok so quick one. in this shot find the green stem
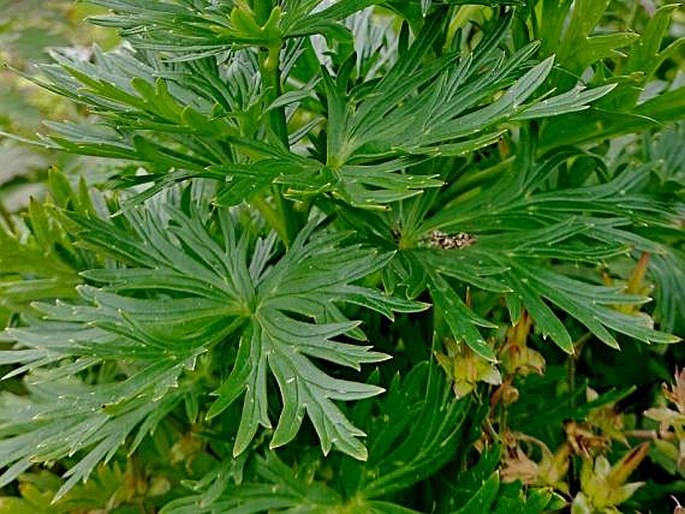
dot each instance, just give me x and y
(271, 75)
(270, 68)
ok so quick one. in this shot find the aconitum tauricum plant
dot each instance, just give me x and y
(354, 256)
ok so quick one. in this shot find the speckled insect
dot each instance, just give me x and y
(438, 239)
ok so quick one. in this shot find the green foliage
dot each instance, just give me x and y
(308, 205)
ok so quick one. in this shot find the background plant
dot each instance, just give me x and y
(27, 29)
(356, 256)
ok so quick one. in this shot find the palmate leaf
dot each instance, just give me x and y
(533, 227)
(418, 428)
(199, 287)
(519, 227)
(507, 268)
(64, 416)
(305, 282)
(445, 117)
(135, 97)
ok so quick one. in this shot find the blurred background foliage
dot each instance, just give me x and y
(28, 29)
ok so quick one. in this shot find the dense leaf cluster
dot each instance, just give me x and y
(416, 233)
